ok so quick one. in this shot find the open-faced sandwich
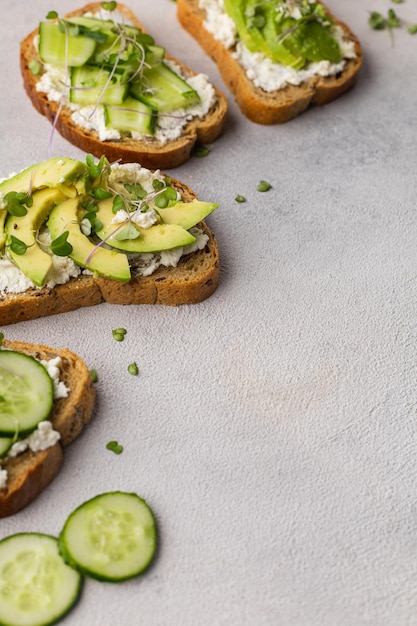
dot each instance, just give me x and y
(47, 397)
(109, 89)
(278, 57)
(75, 234)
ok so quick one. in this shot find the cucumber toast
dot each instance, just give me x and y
(76, 233)
(109, 89)
(278, 57)
(47, 397)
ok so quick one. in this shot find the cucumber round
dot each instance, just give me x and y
(26, 393)
(37, 588)
(5, 445)
(111, 537)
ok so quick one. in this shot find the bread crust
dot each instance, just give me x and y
(193, 280)
(31, 472)
(149, 153)
(259, 106)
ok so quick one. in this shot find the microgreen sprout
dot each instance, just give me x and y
(240, 198)
(35, 67)
(115, 447)
(119, 334)
(108, 6)
(94, 375)
(17, 203)
(61, 246)
(17, 246)
(201, 151)
(264, 186)
(133, 369)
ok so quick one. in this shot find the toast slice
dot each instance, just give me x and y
(30, 472)
(150, 152)
(260, 106)
(193, 280)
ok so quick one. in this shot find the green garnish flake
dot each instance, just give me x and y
(133, 369)
(17, 246)
(397, 1)
(240, 198)
(1, 338)
(377, 21)
(115, 447)
(94, 375)
(412, 29)
(119, 334)
(51, 15)
(264, 186)
(60, 246)
(108, 6)
(201, 151)
(35, 67)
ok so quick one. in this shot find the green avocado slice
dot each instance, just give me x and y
(51, 173)
(187, 214)
(153, 239)
(109, 263)
(35, 263)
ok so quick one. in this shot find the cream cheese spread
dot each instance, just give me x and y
(264, 72)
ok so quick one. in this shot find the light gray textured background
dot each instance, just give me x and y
(272, 428)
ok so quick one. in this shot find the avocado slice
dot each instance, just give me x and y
(154, 239)
(264, 36)
(109, 263)
(187, 214)
(51, 173)
(35, 263)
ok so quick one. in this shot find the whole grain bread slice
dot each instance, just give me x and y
(30, 472)
(193, 280)
(258, 105)
(149, 152)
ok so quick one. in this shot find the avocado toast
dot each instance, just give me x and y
(279, 57)
(75, 234)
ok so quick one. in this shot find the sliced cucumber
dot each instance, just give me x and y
(5, 445)
(26, 393)
(62, 49)
(111, 537)
(37, 588)
(161, 87)
(90, 84)
(132, 116)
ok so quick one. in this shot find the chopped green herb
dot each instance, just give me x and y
(51, 15)
(201, 151)
(1, 338)
(397, 1)
(17, 246)
(60, 246)
(133, 369)
(115, 447)
(264, 186)
(119, 334)
(35, 67)
(412, 29)
(377, 21)
(240, 198)
(94, 375)
(393, 21)
(108, 6)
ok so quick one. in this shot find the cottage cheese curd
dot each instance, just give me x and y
(263, 72)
